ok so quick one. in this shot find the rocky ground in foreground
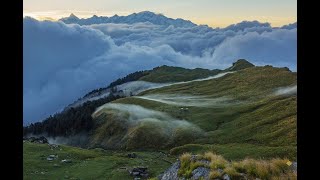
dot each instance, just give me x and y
(211, 166)
(50, 161)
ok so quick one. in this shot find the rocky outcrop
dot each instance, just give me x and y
(200, 172)
(171, 173)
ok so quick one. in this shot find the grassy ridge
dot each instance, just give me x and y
(164, 74)
(260, 118)
(254, 117)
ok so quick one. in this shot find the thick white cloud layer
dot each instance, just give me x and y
(63, 62)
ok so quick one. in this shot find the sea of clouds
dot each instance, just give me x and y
(62, 62)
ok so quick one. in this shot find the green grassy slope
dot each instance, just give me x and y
(87, 164)
(253, 114)
(177, 74)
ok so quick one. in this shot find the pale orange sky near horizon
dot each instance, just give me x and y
(215, 13)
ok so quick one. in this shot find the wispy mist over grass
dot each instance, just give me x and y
(142, 127)
(188, 100)
(286, 91)
(137, 87)
(135, 113)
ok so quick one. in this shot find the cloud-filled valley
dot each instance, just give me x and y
(62, 62)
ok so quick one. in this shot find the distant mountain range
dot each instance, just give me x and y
(145, 16)
(160, 19)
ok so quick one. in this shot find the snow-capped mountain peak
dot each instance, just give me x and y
(144, 16)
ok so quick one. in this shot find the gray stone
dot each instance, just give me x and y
(226, 177)
(294, 166)
(139, 172)
(132, 155)
(50, 159)
(66, 161)
(200, 172)
(171, 173)
(135, 173)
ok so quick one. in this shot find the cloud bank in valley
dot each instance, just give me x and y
(63, 62)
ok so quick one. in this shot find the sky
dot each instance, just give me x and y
(215, 13)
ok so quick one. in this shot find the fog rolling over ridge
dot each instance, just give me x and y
(136, 116)
(286, 91)
(187, 100)
(73, 59)
(136, 87)
(138, 113)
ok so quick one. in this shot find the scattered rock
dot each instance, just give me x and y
(66, 161)
(53, 146)
(139, 172)
(200, 172)
(294, 166)
(132, 155)
(52, 157)
(226, 177)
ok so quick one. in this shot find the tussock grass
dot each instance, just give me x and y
(188, 164)
(216, 161)
(253, 168)
(214, 174)
(232, 172)
(264, 169)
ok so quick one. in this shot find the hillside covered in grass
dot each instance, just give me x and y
(254, 107)
(242, 111)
